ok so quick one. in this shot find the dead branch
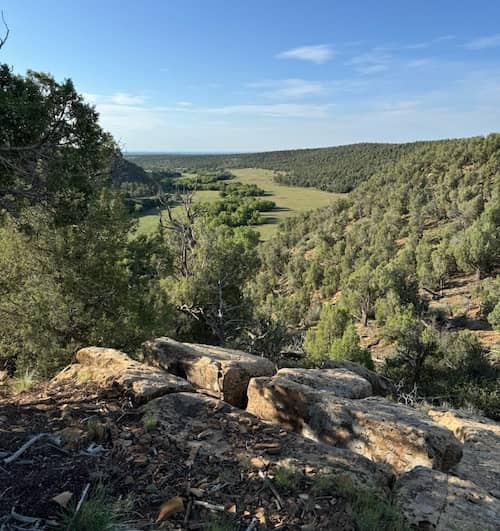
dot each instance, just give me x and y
(3, 40)
(271, 487)
(209, 506)
(24, 447)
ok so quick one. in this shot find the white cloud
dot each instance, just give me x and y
(123, 98)
(319, 53)
(429, 43)
(277, 110)
(372, 62)
(418, 63)
(482, 43)
(290, 88)
(184, 104)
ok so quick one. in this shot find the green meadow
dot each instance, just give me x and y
(290, 200)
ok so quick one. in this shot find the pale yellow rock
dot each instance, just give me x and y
(481, 441)
(113, 371)
(384, 431)
(219, 372)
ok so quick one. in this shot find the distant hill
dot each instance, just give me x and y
(334, 169)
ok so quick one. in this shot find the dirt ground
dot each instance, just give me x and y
(100, 441)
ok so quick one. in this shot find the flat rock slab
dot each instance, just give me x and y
(216, 428)
(384, 431)
(481, 441)
(381, 385)
(433, 500)
(113, 371)
(220, 372)
(340, 382)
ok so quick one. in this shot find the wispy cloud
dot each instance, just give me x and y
(123, 98)
(184, 104)
(419, 63)
(430, 42)
(277, 110)
(319, 53)
(482, 43)
(373, 62)
(118, 98)
(289, 88)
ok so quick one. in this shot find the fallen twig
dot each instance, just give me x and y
(272, 488)
(82, 498)
(24, 447)
(209, 506)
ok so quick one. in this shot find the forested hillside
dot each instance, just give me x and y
(75, 271)
(336, 169)
(376, 256)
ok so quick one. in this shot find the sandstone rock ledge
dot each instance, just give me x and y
(481, 442)
(219, 372)
(432, 500)
(113, 371)
(384, 431)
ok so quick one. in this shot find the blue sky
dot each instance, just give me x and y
(245, 75)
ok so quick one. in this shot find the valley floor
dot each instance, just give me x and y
(290, 200)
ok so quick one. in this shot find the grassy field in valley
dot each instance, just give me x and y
(290, 200)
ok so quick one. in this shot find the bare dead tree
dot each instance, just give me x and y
(3, 39)
(182, 226)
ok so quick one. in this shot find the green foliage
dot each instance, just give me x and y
(347, 348)
(149, 421)
(237, 211)
(337, 169)
(55, 152)
(23, 382)
(489, 293)
(477, 249)
(70, 274)
(97, 513)
(331, 325)
(494, 317)
(289, 478)
(208, 277)
(371, 513)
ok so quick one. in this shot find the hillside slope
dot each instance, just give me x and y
(387, 256)
(336, 169)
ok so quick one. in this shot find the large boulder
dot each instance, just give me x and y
(381, 385)
(374, 427)
(481, 442)
(220, 372)
(432, 500)
(215, 428)
(113, 371)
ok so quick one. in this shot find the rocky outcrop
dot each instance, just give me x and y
(432, 500)
(220, 372)
(383, 431)
(113, 371)
(340, 382)
(381, 385)
(481, 447)
(216, 429)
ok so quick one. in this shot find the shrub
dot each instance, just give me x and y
(347, 348)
